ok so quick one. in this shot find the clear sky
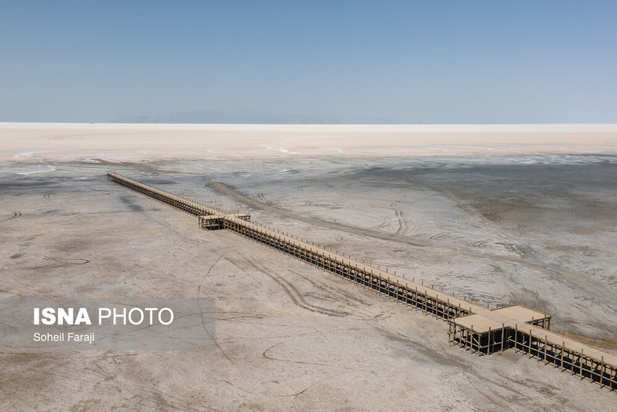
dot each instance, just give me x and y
(398, 61)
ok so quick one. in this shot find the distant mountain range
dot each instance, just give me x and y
(222, 116)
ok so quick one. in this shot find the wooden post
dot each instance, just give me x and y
(545, 343)
(563, 348)
(488, 349)
(530, 336)
(398, 294)
(581, 364)
(456, 332)
(602, 372)
(503, 334)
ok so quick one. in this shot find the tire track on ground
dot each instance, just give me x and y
(402, 223)
(16, 215)
(68, 261)
(560, 273)
(293, 293)
(241, 197)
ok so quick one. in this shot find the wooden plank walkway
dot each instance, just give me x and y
(479, 328)
(346, 260)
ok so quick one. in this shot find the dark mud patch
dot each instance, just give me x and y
(128, 201)
(601, 343)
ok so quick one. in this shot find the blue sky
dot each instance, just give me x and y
(340, 61)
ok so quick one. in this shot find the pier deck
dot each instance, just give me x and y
(471, 326)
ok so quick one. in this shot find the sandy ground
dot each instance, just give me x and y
(58, 142)
(535, 230)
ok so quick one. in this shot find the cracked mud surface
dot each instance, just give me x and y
(289, 336)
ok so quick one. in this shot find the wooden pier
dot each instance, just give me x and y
(471, 326)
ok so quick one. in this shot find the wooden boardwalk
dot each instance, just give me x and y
(471, 326)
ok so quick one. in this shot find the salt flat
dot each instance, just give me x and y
(35, 142)
(530, 227)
